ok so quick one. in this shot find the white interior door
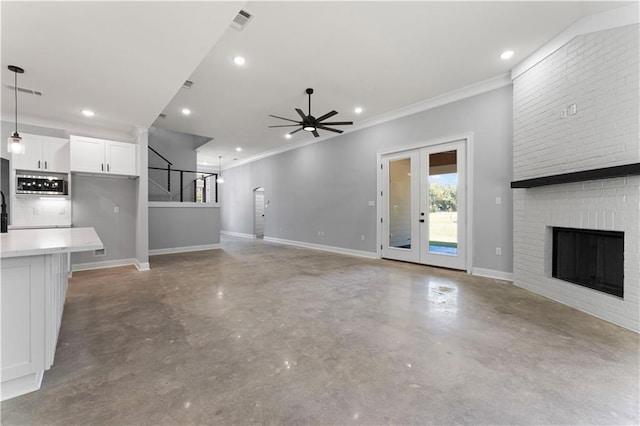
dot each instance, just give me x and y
(424, 206)
(258, 228)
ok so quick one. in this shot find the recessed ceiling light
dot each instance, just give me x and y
(205, 163)
(507, 54)
(186, 111)
(358, 110)
(238, 149)
(288, 136)
(239, 60)
(88, 113)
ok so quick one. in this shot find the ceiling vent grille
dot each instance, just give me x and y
(241, 20)
(27, 91)
(187, 84)
(163, 115)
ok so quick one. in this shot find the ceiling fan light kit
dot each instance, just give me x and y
(309, 123)
(14, 143)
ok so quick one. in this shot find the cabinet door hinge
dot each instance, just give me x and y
(380, 220)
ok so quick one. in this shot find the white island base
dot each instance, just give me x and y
(32, 289)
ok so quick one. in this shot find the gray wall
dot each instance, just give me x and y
(326, 186)
(93, 201)
(171, 227)
(179, 148)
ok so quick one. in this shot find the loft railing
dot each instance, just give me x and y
(193, 182)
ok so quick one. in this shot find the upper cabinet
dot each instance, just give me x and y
(99, 156)
(42, 153)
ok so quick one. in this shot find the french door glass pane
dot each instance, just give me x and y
(400, 203)
(443, 201)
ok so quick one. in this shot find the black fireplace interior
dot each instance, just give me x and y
(590, 258)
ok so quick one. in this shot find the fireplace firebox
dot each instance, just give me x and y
(590, 258)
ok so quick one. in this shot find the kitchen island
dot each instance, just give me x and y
(33, 284)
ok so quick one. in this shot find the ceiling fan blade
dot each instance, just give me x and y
(329, 129)
(338, 123)
(295, 131)
(299, 111)
(316, 134)
(282, 118)
(287, 125)
(327, 115)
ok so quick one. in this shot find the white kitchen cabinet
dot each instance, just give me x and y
(42, 153)
(99, 156)
(120, 158)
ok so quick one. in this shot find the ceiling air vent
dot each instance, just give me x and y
(241, 20)
(27, 91)
(163, 115)
(187, 84)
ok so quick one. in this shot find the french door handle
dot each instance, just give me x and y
(421, 220)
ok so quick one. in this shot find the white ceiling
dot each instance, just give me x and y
(125, 60)
(128, 60)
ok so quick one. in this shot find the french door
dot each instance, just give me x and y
(424, 206)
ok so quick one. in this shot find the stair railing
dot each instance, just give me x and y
(182, 184)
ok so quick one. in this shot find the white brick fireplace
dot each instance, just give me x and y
(599, 73)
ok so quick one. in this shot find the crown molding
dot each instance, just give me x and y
(440, 100)
(614, 18)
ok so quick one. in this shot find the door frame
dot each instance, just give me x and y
(467, 139)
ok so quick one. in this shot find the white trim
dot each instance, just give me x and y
(468, 141)
(444, 99)
(492, 273)
(183, 204)
(339, 250)
(185, 249)
(237, 234)
(21, 385)
(142, 266)
(104, 264)
(619, 17)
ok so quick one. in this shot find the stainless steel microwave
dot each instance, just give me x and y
(32, 184)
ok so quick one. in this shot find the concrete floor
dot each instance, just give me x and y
(260, 333)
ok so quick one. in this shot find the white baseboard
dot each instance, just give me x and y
(142, 266)
(21, 385)
(104, 264)
(185, 249)
(237, 234)
(339, 250)
(492, 273)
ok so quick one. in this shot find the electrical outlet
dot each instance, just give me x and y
(62, 211)
(362, 237)
(498, 200)
(563, 113)
(498, 251)
(573, 109)
(116, 209)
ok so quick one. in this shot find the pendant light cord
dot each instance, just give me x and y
(15, 90)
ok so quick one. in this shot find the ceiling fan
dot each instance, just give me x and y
(309, 123)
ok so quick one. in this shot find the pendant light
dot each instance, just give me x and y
(220, 179)
(14, 144)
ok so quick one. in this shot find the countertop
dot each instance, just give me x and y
(33, 242)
